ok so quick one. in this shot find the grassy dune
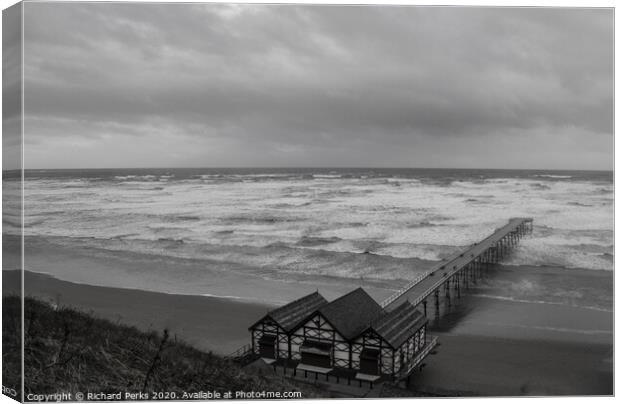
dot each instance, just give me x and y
(69, 351)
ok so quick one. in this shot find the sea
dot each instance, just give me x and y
(378, 225)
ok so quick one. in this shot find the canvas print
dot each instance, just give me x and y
(296, 201)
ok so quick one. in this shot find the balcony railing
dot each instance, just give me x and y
(241, 353)
(416, 360)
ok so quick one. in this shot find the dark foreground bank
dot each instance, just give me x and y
(76, 354)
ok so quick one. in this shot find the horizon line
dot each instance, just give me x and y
(307, 167)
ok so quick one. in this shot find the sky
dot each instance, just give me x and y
(197, 85)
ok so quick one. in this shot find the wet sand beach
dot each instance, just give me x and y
(476, 365)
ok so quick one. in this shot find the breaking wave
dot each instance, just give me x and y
(429, 215)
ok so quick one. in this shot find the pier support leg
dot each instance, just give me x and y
(424, 303)
(437, 303)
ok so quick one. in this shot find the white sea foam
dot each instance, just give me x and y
(517, 300)
(416, 219)
(556, 329)
(553, 176)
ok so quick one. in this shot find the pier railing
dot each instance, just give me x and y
(437, 284)
(404, 289)
(489, 250)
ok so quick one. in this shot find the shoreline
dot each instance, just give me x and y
(465, 363)
(178, 276)
(199, 277)
(183, 315)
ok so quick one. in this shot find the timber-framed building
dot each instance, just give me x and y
(353, 334)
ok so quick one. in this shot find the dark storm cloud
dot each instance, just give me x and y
(318, 85)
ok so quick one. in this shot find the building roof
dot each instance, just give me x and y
(352, 313)
(399, 324)
(291, 314)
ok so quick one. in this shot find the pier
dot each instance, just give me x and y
(354, 340)
(461, 269)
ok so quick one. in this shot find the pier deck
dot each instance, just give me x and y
(461, 268)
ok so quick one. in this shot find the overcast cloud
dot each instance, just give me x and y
(152, 85)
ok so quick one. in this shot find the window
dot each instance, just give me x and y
(316, 353)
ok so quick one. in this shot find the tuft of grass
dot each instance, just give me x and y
(12, 344)
(67, 350)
